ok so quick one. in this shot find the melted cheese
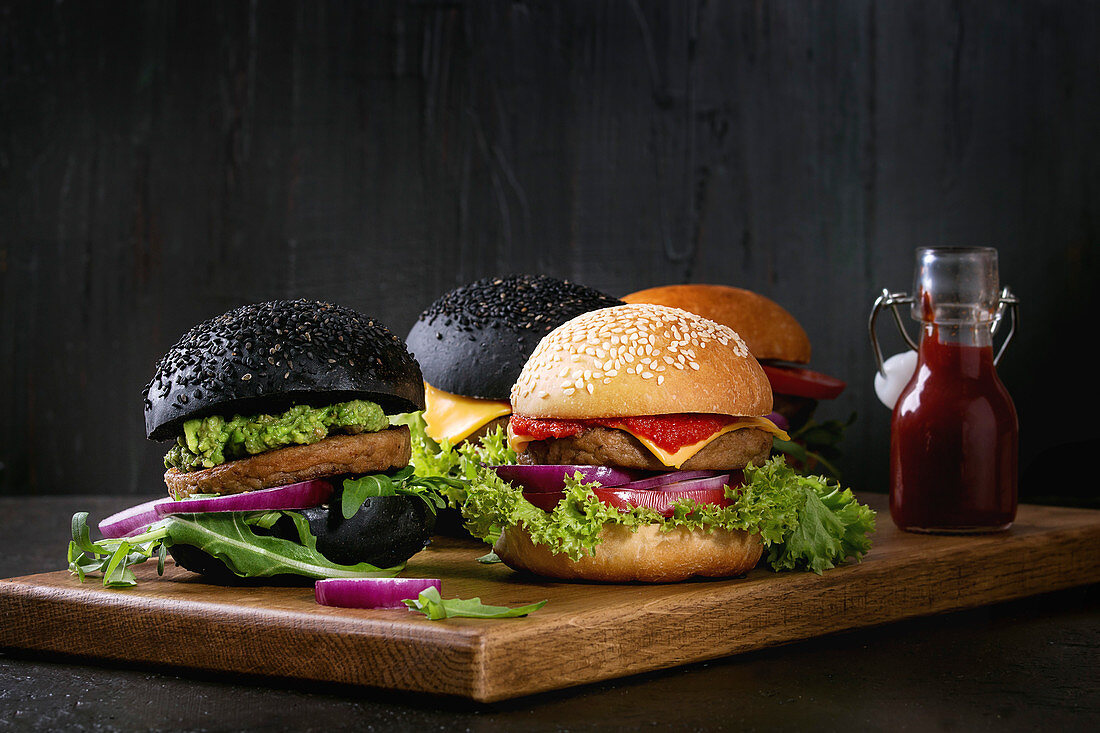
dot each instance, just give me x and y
(455, 417)
(683, 454)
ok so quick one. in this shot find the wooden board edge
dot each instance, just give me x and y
(1034, 565)
(446, 659)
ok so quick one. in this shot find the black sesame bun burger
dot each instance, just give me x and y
(639, 389)
(278, 414)
(472, 342)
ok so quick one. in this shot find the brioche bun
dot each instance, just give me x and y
(640, 359)
(646, 555)
(766, 327)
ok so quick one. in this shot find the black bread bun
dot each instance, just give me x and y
(265, 357)
(474, 340)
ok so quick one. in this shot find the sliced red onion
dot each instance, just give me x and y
(710, 482)
(131, 521)
(552, 477)
(672, 477)
(294, 496)
(371, 592)
(780, 422)
(664, 500)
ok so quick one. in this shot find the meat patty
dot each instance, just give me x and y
(600, 446)
(333, 456)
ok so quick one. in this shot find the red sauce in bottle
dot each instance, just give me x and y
(953, 444)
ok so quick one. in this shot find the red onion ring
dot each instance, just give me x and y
(371, 592)
(552, 477)
(672, 477)
(131, 521)
(301, 495)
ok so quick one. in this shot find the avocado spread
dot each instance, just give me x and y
(209, 441)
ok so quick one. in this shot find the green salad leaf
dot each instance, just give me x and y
(461, 464)
(229, 536)
(805, 522)
(435, 607)
(401, 483)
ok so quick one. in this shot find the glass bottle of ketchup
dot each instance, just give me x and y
(954, 431)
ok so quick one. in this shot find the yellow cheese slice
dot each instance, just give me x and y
(455, 417)
(518, 443)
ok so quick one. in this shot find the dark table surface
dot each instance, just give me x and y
(1014, 666)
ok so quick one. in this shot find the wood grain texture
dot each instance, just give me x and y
(163, 162)
(586, 633)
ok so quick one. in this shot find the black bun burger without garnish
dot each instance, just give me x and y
(290, 393)
(473, 341)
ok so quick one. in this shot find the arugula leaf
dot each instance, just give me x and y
(227, 536)
(432, 605)
(112, 558)
(403, 483)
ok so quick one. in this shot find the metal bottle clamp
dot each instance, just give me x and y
(1008, 304)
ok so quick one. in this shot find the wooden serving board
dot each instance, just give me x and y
(585, 633)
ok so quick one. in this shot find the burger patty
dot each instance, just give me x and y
(611, 447)
(333, 456)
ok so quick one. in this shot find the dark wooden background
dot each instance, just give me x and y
(161, 162)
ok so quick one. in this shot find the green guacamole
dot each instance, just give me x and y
(209, 441)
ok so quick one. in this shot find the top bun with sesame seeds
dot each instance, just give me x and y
(265, 357)
(641, 360)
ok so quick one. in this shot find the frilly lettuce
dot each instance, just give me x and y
(431, 459)
(805, 522)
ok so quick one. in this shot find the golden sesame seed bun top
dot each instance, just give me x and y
(767, 328)
(641, 360)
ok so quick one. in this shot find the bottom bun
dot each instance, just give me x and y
(647, 555)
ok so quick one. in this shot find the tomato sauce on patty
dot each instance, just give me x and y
(670, 432)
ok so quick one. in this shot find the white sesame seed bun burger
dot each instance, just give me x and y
(670, 397)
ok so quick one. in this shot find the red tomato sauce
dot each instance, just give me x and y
(670, 432)
(544, 428)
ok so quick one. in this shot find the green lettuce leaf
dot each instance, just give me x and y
(805, 522)
(432, 605)
(461, 464)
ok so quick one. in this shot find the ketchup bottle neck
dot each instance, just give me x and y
(958, 334)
